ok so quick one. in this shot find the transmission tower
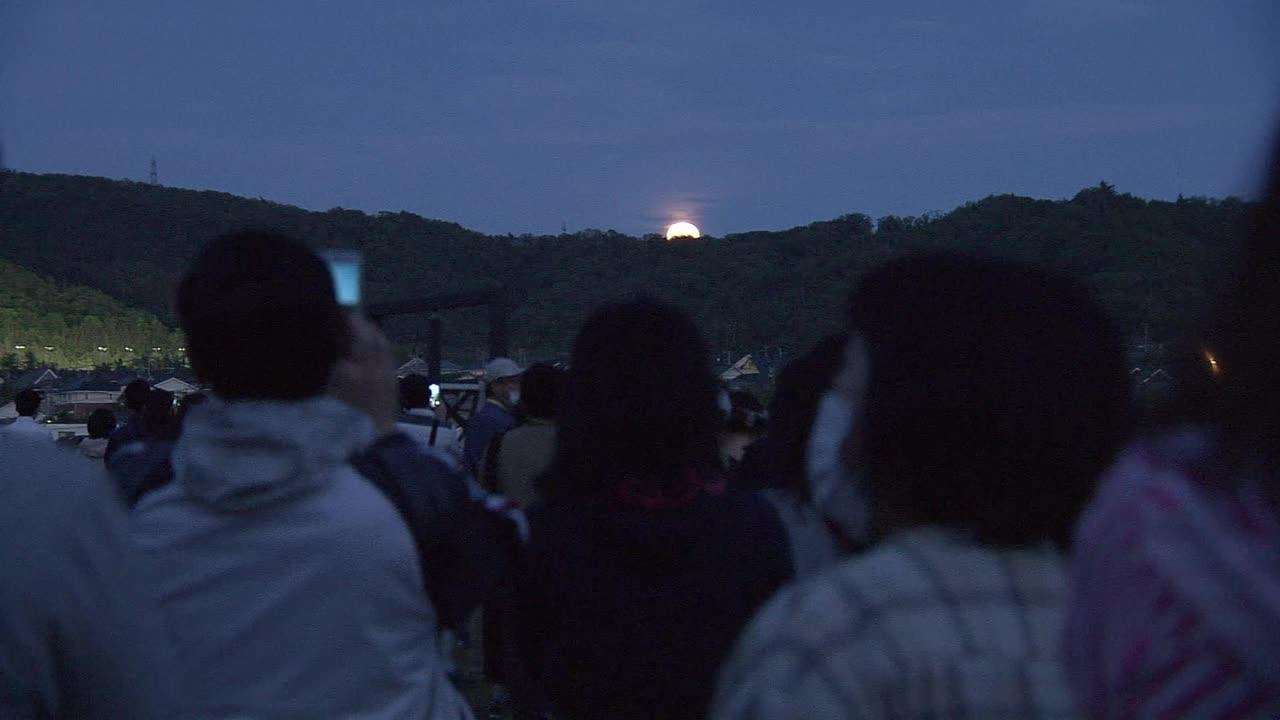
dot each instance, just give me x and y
(155, 175)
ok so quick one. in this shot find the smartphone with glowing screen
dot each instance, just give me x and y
(345, 267)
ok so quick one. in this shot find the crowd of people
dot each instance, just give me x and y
(944, 511)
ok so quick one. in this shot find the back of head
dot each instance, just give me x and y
(1244, 342)
(260, 318)
(158, 419)
(135, 395)
(640, 402)
(27, 403)
(792, 410)
(746, 414)
(998, 392)
(184, 406)
(540, 390)
(415, 392)
(100, 424)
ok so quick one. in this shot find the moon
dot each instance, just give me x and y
(683, 229)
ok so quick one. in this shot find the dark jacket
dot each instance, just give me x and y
(491, 419)
(465, 549)
(130, 432)
(629, 613)
(142, 467)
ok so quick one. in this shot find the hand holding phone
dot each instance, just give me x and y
(345, 266)
(366, 378)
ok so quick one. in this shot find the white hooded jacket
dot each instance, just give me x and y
(289, 583)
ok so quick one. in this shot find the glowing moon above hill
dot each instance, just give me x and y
(683, 229)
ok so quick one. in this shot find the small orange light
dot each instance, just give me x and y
(1213, 363)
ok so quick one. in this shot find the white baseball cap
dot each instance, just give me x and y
(500, 369)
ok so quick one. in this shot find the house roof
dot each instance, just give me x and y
(36, 377)
(414, 365)
(100, 380)
(186, 375)
(421, 367)
(176, 384)
(745, 366)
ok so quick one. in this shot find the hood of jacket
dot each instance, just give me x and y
(244, 454)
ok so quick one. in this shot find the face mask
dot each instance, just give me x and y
(837, 493)
(514, 398)
(831, 426)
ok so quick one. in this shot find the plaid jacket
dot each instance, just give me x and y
(926, 625)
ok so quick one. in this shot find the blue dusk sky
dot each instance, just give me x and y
(516, 116)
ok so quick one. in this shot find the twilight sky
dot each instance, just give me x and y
(515, 115)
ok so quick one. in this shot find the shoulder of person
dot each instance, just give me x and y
(400, 463)
(773, 671)
(410, 418)
(751, 509)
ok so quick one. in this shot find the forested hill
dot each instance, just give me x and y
(47, 323)
(1153, 262)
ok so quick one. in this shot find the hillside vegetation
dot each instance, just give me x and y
(1154, 263)
(43, 322)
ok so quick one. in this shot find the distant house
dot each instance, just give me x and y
(418, 366)
(177, 386)
(183, 374)
(79, 402)
(1157, 377)
(415, 366)
(80, 394)
(36, 378)
(745, 366)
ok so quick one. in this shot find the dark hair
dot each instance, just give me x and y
(158, 419)
(747, 414)
(639, 404)
(27, 403)
(998, 393)
(540, 389)
(101, 423)
(260, 317)
(1242, 347)
(135, 394)
(415, 391)
(778, 460)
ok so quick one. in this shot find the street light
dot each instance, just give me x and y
(1213, 363)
